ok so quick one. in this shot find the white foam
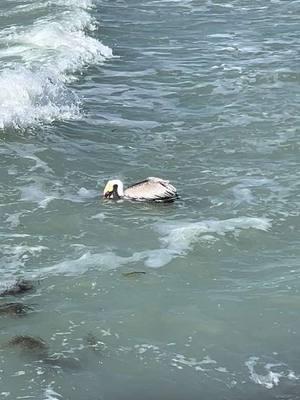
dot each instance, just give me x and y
(45, 57)
(242, 195)
(38, 192)
(82, 195)
(182, 235)
(14, 219)
(106, 261)
(14, 257)
(179, 361)
(100, 216)
(63, 41)
(28, 97)
(25, 8)
(35, 193)
(268, 380)
(102, 261)
(271, 378)
(50, 394)
(177, 240)
(221, 35)
(86, 4)
(29, 151)
(87, 193)
(158, 258)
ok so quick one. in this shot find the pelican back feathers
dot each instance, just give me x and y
(152, 189)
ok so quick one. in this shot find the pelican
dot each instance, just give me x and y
(150, 189)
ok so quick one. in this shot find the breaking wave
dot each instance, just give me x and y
(39, 60)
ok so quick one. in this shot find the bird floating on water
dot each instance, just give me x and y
(150, 189)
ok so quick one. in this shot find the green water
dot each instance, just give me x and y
(205, 94)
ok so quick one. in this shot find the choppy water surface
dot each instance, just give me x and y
(204, 93)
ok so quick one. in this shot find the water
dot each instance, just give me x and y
(205, 94)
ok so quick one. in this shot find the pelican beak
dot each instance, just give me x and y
(107, 190)
(107, 194)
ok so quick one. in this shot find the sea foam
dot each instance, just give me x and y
(39, 62)
(272, 376)
(50, 394)
(180, 236)
(177, 239)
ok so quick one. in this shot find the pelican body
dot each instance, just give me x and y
(150, 189)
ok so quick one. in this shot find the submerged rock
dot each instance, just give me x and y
(13, 309)
(36, 348)
(29, 344)
(19, 287)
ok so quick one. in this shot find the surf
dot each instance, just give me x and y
(40, 60)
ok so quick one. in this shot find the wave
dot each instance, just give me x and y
(38, 62)
(177, 240)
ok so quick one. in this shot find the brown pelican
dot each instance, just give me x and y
(150, 189)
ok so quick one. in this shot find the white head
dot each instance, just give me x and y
(114, 189)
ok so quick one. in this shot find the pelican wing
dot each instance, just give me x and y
(151, 189)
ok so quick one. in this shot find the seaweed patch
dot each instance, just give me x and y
(14, 309)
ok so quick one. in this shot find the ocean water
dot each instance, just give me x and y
(204, 93)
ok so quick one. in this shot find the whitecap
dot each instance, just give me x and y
(102, 261)
(178, 238)
(158, 257)
(40, 60)
(28, 98)
(181, 236)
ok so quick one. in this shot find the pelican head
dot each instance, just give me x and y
(114, 189)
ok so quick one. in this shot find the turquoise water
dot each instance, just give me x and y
(205, 94)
